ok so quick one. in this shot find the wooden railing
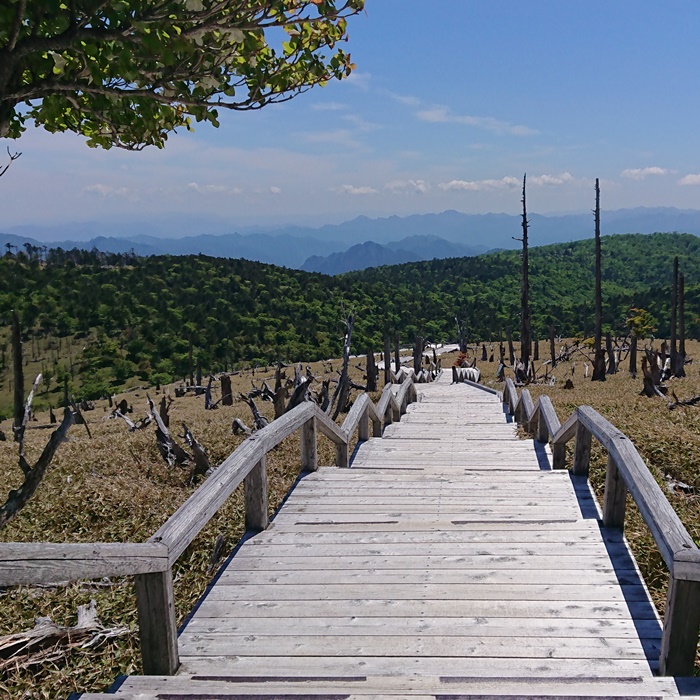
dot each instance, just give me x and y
(627, 472)
(151, 562)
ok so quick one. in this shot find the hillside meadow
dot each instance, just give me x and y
(102, 322)
(116, 487)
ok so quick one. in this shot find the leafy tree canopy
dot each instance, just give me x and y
(128, 72)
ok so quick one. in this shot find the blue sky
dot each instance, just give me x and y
(451, 102)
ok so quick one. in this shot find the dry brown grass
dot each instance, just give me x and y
(115, 487)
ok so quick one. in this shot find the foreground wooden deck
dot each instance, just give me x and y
(450, 561)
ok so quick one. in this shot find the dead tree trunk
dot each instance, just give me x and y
(397, 354)
(226, 392)
(633, 355)
(552, 351)
(199, 372)
(599, 363)
(484, 354)
(680, 362)
(371, 371)
(191, 365)
(536, 350)
(511, 351)
(342, 390)
(525, 330)
(674, 316)
(418, 354)
(461, 336)
(18, 377)
(612, 365)
(387, 361)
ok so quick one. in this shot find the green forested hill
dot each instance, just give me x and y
(137, 315)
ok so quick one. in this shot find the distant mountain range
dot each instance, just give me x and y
(356, 244)
(371, 254)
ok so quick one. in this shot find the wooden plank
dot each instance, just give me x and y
(398, 645)
(433, 591)
(337, 560)
(339, 578)
(441, 666)
(43, 563)
(481, 626)
(364, 608)
(442, 549)
(387, 687)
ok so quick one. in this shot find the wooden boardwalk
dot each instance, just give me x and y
(449, 561)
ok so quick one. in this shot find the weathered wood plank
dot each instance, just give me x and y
(433, 591)
(364, 608)
(42, 563)
(399, 645)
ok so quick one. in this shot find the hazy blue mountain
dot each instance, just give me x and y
(430, 246)
(371, 254)
(359, 257)
(424, 236)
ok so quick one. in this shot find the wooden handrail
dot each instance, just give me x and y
(151, 562)
(41, 563)
(627, 472)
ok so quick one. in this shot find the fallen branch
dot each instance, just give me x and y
(692, 401)
(47, 641)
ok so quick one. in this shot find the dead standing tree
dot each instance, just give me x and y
(371, 371)
(525, 329)
(341, 395)
(599, 361)
(680, 364)
(33, 475)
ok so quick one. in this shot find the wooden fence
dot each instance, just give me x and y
(151, 563)
(627, 473)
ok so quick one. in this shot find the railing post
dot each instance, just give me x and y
(309, 450)
(256, 517)
(582, 451)
(342, 455)
(363, 425)
(377, 428)
(679, 640)
(614, 498)
(542, 431)
(559, 456)
(155, 602)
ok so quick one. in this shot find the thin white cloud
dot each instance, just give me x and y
(691, 179)
(356, 191)
(442, 115)
(408, 187)
(275, 190)
(480, 185)
(339, 137)
(360, 124)
(641, 173)
(329, 107)
(106, 190)
(552, 180)
(409, 100)
(213, 189)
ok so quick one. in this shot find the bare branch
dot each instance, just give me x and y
(13, 158)
(17, 499)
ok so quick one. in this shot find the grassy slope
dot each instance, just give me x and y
(116, 487)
